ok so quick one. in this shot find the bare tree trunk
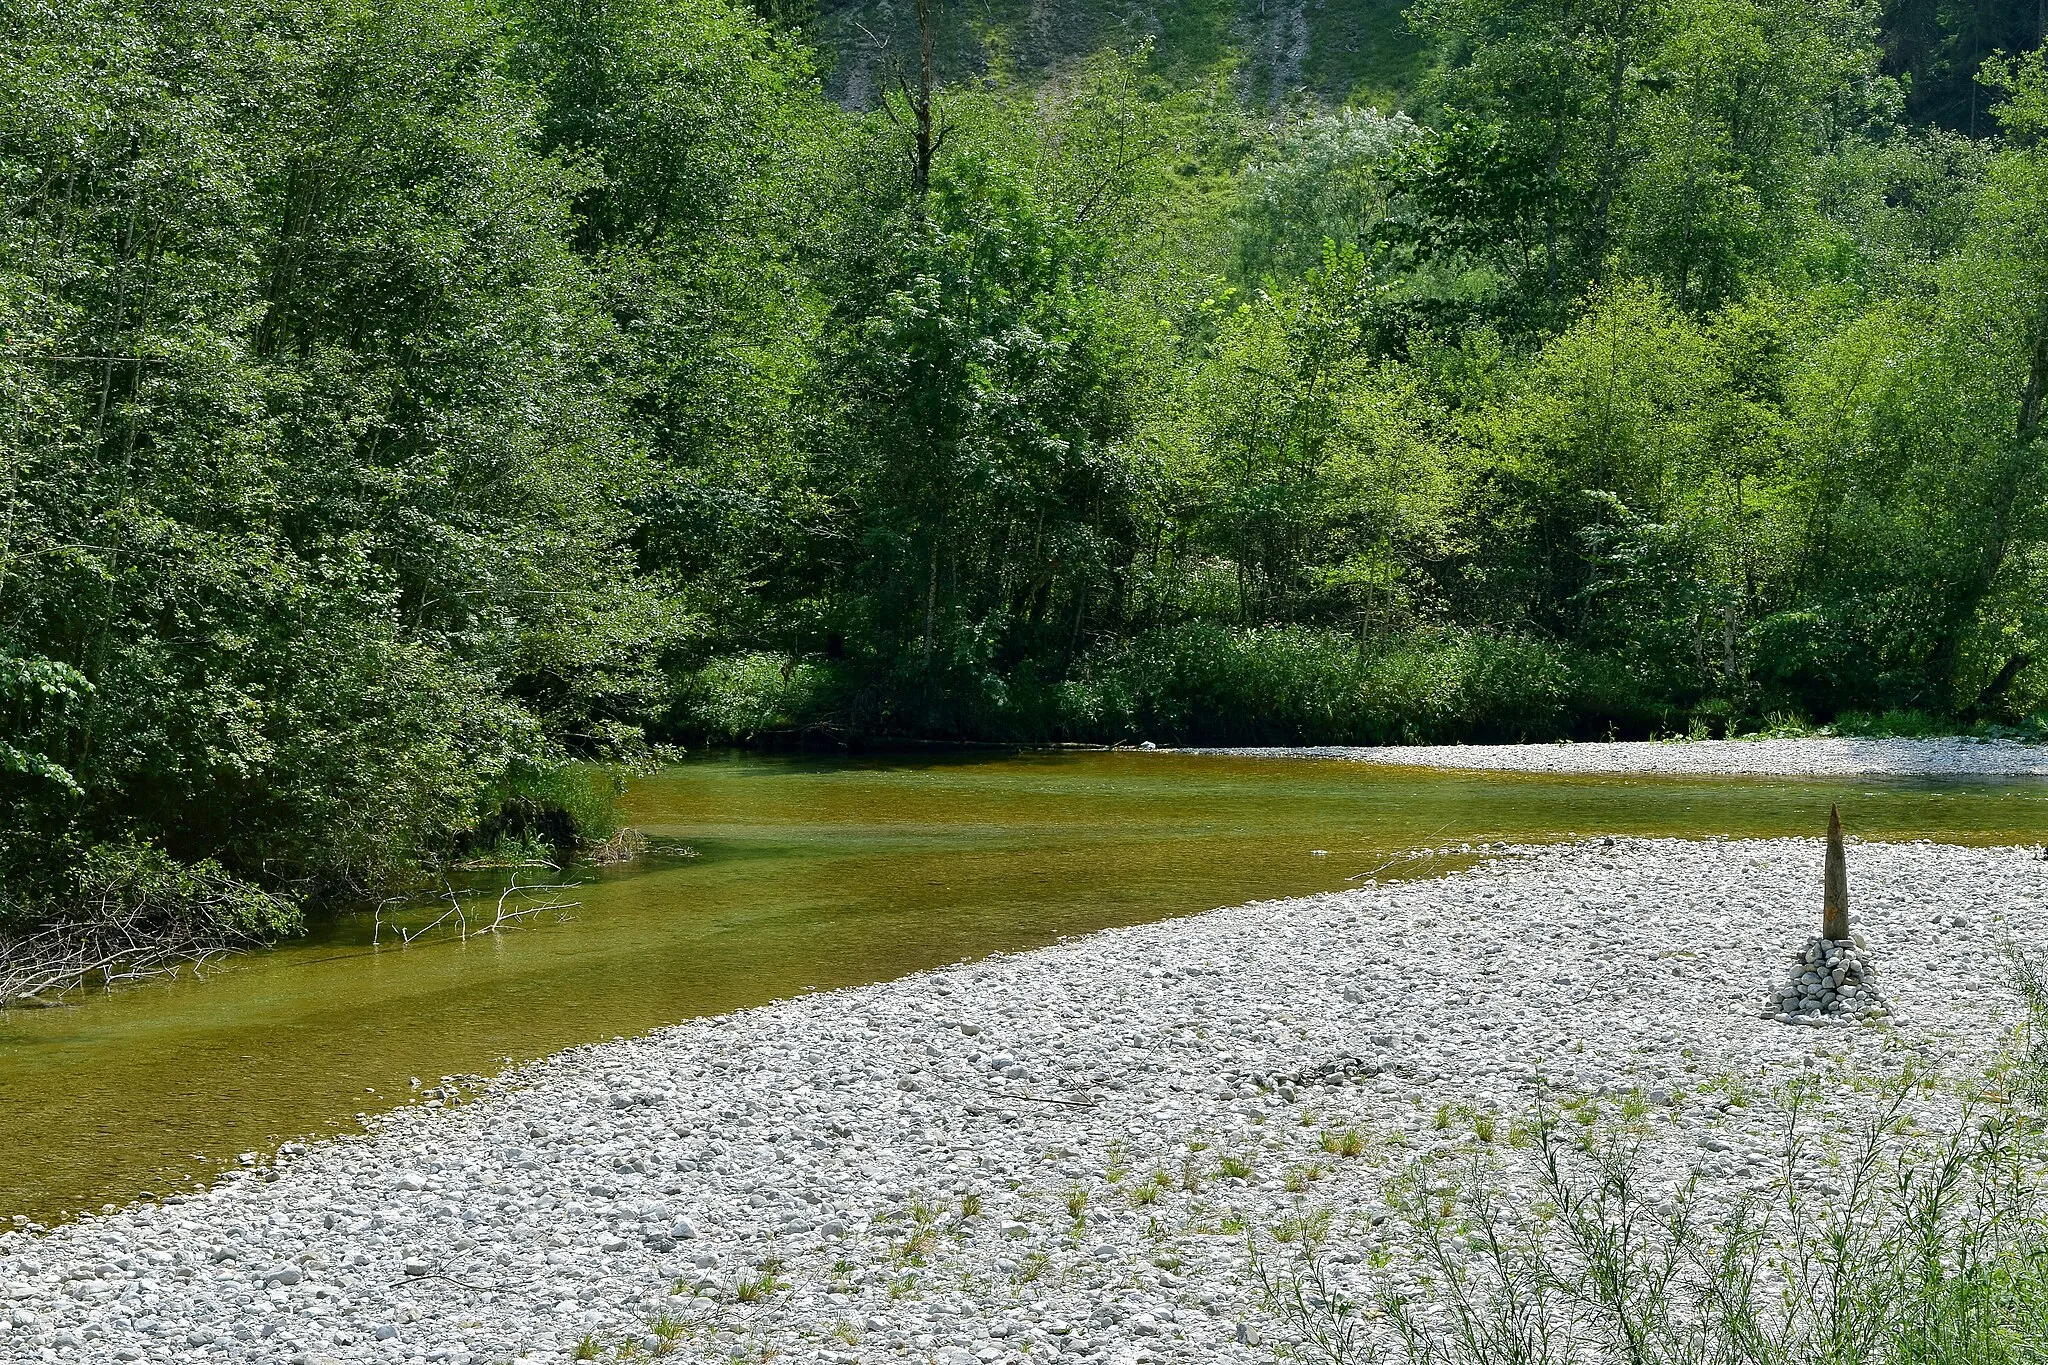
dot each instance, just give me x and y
(927, 136)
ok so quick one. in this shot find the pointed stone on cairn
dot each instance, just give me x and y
(1834, 891)
(1831, 977)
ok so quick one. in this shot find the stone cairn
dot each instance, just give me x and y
(1831, 977)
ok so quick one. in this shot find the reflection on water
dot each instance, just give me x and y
(808, 875)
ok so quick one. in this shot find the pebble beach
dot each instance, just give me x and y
(1818, 757)
(1061, 1154)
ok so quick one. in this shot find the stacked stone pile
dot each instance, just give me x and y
(1831, 983)
(1831, 977)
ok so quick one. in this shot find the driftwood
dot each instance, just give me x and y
(1834, 914)
(121, 940)
(466, 906)
(41, 967)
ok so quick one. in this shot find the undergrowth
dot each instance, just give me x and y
(1902, 1245)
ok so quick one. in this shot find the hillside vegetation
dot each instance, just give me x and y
(403, 402)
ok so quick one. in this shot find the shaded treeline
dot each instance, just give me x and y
(402, 400)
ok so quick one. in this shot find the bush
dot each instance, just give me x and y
(1210, 684)
(131, 910)
(562, 805)
(137, 882)
(743, 696)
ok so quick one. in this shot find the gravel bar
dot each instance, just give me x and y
(1704, 757)
(1052, 1154)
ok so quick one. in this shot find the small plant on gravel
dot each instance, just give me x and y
(1310, 1228)
(1030, 1268)
(1304, 1175)
(1483, 1127)
(1348, 1143)
(1190, 1172)
(587, 1348)
(1297, 1289)
(1145, 1192)
(845, 1331)
(755, 1288)
(1234, 1168)
(1114, 1170)
(1077, 1203)
(915, 1247)
(970, 1205)
(668, 1333)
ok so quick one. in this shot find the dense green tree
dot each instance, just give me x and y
(979, 395)
(399, 400)
(1311, 468)
(1937, 48)
(1580, 135)
(307, 482)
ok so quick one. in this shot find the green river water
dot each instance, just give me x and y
(803, 875)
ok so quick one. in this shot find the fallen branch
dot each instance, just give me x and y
(40, 968)
(460, 910)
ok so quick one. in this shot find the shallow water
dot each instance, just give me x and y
(808, 875)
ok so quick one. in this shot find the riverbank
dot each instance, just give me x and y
(961, 1164)
(1814, 757)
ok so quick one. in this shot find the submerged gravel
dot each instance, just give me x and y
(1707, 757)
(892, 1172)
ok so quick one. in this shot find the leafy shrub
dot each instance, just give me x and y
(130, 910)
(140, 883)
(1299, 685)
(564, 805)
(1893, 724)
(742, 696)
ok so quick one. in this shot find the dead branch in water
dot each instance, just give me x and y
(460, 910)
(41, 967)
(133, 913)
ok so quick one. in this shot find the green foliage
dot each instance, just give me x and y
(1293, 685)
(406, 402)
(309, 484)
(139, 882)
(747, 696)
(559, 804)
(1667, 138)
(29, 689)
(980, 383)
(1326, 177)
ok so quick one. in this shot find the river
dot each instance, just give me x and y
(772, 876)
